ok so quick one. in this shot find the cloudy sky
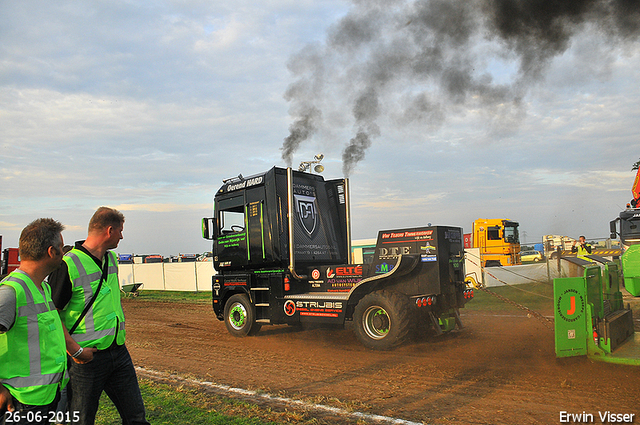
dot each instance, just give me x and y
(440, 111)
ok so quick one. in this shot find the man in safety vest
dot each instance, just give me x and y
(583, 249)
(32, 345)
(87, 293)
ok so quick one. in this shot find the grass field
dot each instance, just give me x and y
(202, 297)
(536, 296)
(533, 295)
(171, 405)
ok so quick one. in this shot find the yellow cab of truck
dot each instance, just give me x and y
(498, 241)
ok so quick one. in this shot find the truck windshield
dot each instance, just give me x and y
(630, 231)
(511, 234)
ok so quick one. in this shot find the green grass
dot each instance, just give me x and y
(536, 296)
(203, 297)
(528, 294)
(170, 405)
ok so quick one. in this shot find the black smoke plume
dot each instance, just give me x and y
(423, 61)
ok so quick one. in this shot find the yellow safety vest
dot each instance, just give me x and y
(105, 319)
(33, 357)
(582, 253)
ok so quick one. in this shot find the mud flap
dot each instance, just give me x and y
(458, 321)
(436, 323)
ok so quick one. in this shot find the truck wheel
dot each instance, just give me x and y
(382, 320)
(240, 317)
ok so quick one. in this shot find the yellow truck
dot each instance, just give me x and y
(498, 241)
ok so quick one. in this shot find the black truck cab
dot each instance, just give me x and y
(281, 247)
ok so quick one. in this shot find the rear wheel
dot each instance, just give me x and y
(240, 317)
(381, 320)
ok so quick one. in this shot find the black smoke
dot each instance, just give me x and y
(423, 61)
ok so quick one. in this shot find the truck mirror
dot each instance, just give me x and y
(612, 229)
(208, 226)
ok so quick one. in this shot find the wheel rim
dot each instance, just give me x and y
(237, 316)
(376, 322)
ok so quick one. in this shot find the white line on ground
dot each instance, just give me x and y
(275, 399)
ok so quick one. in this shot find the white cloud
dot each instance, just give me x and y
(162, 207)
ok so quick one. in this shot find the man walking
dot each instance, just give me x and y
(32, 343)
(87, 293)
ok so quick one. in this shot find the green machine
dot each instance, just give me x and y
(629, 232)
(590, 317)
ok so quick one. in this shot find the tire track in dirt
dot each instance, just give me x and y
(498, 370)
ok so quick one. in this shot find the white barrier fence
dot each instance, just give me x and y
(194, 276)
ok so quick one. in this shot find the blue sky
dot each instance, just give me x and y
(147, 106)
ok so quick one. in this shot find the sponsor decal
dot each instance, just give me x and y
(318, 304)
(349, 271)
(315, 274)
(225, 263)
(331, 273)
(452, 235)
(245, 184)
(570, 305)
(428, 258)
(233, 240)
(289, 308)
(318, 314)
(307, 212)
(388, 253)
(422, 234)
(384, 268)
(318, 308)
(428, 248)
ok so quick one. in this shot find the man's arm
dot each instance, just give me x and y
(7, 319)
(72, 347)
(7, 307)
(6, 401)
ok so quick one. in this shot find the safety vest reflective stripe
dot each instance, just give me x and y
(89, 336)
(36, 309)
(31, 311)
(30, 381)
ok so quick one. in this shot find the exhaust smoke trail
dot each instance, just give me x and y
(421, 62)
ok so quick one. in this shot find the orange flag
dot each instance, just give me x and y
(636, 186)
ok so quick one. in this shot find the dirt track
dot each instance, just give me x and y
(501, 369)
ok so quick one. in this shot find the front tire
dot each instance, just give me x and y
(382, 320)
(240, 316)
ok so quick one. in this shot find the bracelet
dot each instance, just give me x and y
(77, 353)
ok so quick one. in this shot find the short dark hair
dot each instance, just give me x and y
(105, 217)
(38, 236)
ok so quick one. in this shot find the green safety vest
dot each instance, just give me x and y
(33, 356)
(105, 319)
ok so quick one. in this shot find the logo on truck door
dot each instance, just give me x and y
(307, 212)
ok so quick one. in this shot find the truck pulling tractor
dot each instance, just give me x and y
(281, 247)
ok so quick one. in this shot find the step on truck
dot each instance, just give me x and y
(281, 247)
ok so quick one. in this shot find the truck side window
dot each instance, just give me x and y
(493, 233)
(231, 215)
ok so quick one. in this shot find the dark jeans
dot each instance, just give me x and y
(110, 370)
(26, 414)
